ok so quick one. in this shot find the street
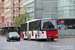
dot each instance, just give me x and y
(57, 44)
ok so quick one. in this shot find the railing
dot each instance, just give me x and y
(69, 32)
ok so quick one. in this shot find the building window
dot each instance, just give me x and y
(0, 12)
(13, 17)
(3, 0)
(0, 21)
(74, 2)
(0, 7)
(0, 25)
(0, 3)
(13, 11)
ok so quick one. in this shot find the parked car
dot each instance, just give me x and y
(13, 36)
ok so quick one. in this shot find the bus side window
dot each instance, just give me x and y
(31, 27)
(36, 25)
(25, 29)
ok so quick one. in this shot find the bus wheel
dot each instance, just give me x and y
(9, 40)
(52, 39)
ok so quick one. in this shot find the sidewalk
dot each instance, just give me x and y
(66, 36)
(2, 35)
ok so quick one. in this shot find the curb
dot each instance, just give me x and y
(66, 37)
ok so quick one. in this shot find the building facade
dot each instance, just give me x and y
(17, 10)
(8, 11)
(66, 12)
(13, 9)
(2, 13)
(38, 9)
(66, 8)
(21, 7)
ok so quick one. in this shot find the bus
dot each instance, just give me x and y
(40, 29)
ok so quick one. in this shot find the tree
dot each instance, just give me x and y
(23, 18)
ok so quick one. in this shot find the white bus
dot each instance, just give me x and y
(40, 29)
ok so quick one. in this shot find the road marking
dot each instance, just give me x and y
(14, 47)
(6, 48)
(41, 45)
(11, 45)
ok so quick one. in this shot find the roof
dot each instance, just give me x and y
(8, 26)
(38, 19)
(33, 20)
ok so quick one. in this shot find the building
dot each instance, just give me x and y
(1, 13)
(21, 7)
(67, 8)
(15, 8)
(66, 12)
(8, 11)
(41, 8)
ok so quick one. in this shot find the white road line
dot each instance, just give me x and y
(6, 48)
(14, 47)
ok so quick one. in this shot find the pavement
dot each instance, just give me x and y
(57, 44)
(66, 36)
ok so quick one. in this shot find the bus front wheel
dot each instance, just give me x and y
(52, 39)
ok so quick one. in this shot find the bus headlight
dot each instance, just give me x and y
(56, 35)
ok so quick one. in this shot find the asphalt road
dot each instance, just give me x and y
(57, 44)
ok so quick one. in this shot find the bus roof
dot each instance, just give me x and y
(38, 19)
(33, 20)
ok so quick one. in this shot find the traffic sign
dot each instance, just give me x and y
(62, 21)
(7, 23)
(2, 17)
(62, 25)
(2, 20)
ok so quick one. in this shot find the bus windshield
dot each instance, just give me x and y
(48, 24)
